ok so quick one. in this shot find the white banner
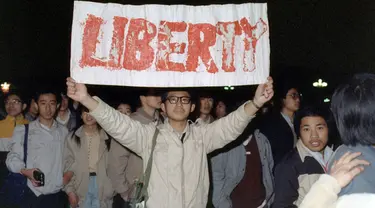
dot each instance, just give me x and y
(170, 46)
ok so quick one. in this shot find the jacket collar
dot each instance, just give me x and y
(81, 134)
(143, 113)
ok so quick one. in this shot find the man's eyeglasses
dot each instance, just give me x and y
(175, 99)
(295, 96)
(12, 102)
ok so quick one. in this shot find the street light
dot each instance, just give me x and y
(5, 87)
(320, 83)
(327, 100)
(228, 88)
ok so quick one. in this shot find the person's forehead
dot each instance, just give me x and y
(47, 97)
(124, 105)
(292, 90)
(178, 93)
(13, 97)
(313, 120)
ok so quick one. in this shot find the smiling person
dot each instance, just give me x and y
(179, 170)
(301, 167)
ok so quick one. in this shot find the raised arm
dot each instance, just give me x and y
(126, 131)
(228, 128)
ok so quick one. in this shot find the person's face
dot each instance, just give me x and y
(14, 105)
(33, 107)
(314, 133)
(220, 110)
(64, 103)
(292, 100)
(47, 105)
(88, 119)
(124, 109)
(206, 105)
(178, 105)
(152, 101)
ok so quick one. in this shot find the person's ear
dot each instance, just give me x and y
(24, 106)
(36, 106)
(163, 108)
(192, 108)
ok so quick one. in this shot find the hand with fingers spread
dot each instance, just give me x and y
(347, 167)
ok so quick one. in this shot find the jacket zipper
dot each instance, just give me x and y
(182, 172)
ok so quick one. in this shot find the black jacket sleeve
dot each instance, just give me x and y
(286, 186)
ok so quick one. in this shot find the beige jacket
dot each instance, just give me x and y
(179, 176)
(76, 160)
(125, 166)
(323, 194)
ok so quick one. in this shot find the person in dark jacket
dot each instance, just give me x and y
(302, 166)
(277, 125)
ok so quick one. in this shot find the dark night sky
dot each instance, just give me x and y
(315, 38)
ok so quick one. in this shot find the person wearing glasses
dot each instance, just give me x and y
(179, 171)
(277, 125)
(14, 106)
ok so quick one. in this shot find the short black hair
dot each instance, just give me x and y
(47, 91)
(16, 93)
(353, 107)
(307, 112)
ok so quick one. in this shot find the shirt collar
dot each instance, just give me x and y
(54, 125)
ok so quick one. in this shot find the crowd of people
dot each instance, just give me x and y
(189, 150)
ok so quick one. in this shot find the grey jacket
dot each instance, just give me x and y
(45, 152)
(228, 169)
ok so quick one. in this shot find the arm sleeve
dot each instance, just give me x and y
(14, 159)
(323, 194)
(286, 186)
(128, 132)
(218, 179)
(219, 133)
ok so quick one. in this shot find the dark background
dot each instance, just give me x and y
(310, 39)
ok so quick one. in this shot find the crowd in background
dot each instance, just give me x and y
(207, 152)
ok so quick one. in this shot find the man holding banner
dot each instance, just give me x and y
(179, 176)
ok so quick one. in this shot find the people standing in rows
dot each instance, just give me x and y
(65, 116)
(86, 155)
(179, 173)
(14, 107)
(242, 170)
(302, 167)
(46, 139)
(126, 166)
(277, 125)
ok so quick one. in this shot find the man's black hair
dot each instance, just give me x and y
(353, 107)
(309, 111)
(47, 91)
(18, 94)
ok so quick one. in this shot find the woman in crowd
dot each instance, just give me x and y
(86, 156)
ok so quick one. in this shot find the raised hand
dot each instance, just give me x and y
(76, 91)
(264, 93)
(347, 167)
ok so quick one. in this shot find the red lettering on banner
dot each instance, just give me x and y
(90, 40)
(252, 35)
(228, 30)
(165, 47)
(201, 38)
(139, 55)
